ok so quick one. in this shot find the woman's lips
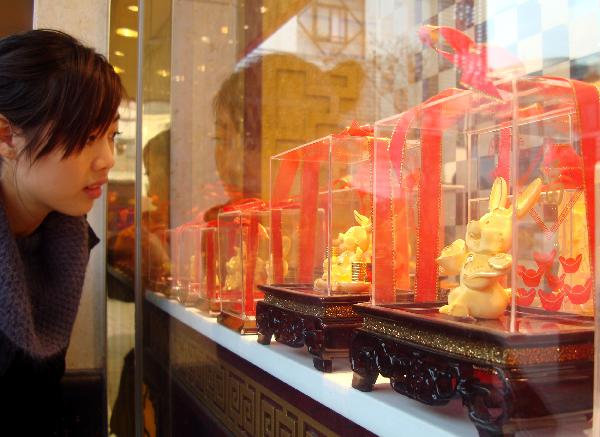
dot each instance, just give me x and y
(95, 190)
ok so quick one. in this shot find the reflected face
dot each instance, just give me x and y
(229, 154)
(68, 185)
(158, 177)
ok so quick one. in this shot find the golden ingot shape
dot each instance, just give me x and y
(361, 271)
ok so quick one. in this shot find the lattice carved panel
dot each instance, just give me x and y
(243, 406)
(301, 102)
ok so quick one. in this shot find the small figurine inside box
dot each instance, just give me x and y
(321, 245)
(158, 255)
(484, 210)
(195, 267)
(243, 241)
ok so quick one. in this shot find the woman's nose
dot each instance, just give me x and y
(106, 157)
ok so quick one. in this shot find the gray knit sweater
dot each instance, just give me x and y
(41, 279)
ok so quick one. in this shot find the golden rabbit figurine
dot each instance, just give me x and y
(354, 245)
(482, 259)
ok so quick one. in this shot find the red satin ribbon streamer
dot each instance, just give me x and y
(434, 118)
(391, 255)
(209, 246)
(504, 146)
(248, 207)
(252, 253)
(308, 220)
(588, 109)
(276, 237)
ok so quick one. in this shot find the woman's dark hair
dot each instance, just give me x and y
(56, 90)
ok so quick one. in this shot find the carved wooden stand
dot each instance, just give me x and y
(507, 381)
(209, 307)
(296, 316)
(237, 323)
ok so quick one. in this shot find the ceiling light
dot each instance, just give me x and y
(133, 8)
(162, 73)
(205, 39)
(126, 32)
(263, 9)
(119, 53)
(224, 30)
(118, 70)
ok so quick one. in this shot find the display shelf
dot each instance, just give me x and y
(373, 411)
(380, 411)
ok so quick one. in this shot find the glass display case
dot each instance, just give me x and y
(321, 244)
(484, 214)
(449, 247)
(159, 261)
(596, 418)
(195, 275)
(209, 301)
(243, 242)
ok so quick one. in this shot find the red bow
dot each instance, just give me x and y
(478, 63)
(356, 130)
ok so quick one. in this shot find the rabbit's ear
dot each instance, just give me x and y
(499, 194)
(528, 197)
(361, 219)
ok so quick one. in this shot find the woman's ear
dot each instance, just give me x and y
(7, 148)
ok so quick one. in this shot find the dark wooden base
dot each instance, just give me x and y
(210, 307)
(527, 381)
(185, 297)
(298, 317)
(237, 323)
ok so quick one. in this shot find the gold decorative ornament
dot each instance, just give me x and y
(325, 310)
(480, 350)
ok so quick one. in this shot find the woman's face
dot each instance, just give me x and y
(68, 185)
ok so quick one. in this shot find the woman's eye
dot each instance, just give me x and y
(115, 135)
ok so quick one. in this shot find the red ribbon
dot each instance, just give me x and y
(588, 111)
(477, 62)
(436, 113)
(208, 244)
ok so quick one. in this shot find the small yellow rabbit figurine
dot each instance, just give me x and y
(353, 245)
(482, 259)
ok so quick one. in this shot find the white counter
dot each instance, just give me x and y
(382, 411)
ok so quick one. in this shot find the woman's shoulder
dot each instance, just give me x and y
(19, 368)
(77, 228)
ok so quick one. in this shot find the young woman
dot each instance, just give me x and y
(58, 121)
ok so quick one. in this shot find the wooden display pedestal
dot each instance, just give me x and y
(538, 376)
(297, 316)
(237, 323)
(209, 307)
